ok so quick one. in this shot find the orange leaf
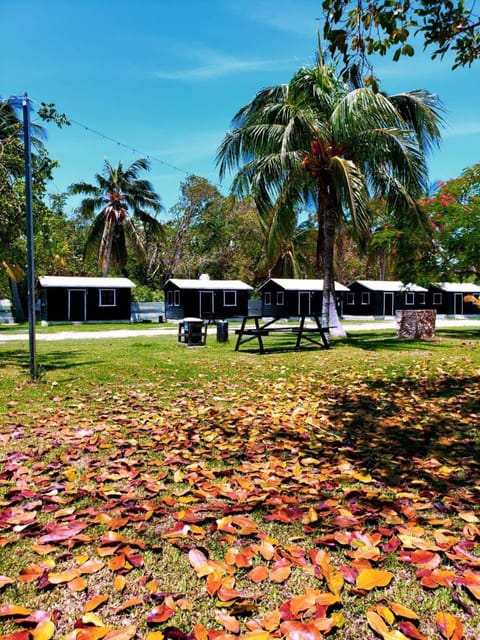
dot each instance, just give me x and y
(11, 610)
(127, 633)
(160, 614)
(281, 574)
(77, 584)
(62, 576)
(229, 622)
(119, 583)
(371, 578)
(94, 603)
(449, 626)
(4, 580)
(403, 612)
(299, 631)
(258, 574)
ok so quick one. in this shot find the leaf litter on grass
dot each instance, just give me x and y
(298, 510)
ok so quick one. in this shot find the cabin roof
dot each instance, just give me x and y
(75, 281)
(390, 285)
(204, 284)
(458, 287)
(302, 284)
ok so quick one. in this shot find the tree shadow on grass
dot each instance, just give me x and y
(415, 432)
(51, 361)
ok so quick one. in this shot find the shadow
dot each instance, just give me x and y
(51, 361)
(415, 432)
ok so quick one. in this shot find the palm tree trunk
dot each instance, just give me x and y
(326, 212)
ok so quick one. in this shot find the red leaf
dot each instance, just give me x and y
(59, 532)
(410, 630)
(160, 614)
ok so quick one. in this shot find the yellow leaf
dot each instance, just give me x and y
(92, 618)
(376, 622)
(372, 578)
(363, 477)
(385, 613)
(154, 635)
(43, 631)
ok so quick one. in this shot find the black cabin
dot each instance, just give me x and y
(381, 298)
(206, 299)
(83, 299)
(292, 297)
(448, 298)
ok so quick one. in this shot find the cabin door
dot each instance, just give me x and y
(206, 304)
(458, 304)
(77, 305)
(304, 303)
(388, 304)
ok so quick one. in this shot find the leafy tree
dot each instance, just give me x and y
(117, 192)
(356, 29)
(317, 140)
(12, 195)
(454, 211)
(213, 234)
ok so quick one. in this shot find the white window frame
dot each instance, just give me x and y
(268, 297)
(409, 298)
(230, 292)
(365, 299)
(102, 292)
(421, 298)
(350, 298)
(437, 298)
(280, 298)
(176, 298)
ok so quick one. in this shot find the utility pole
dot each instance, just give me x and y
(30, 250)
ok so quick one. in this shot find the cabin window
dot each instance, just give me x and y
(268, 297)
(437, 298)
(107, 297)
(350, 298)
(420, 298)
(230, 298)
(365, 297)
(409, 298)
(280, 297)
(176, 298)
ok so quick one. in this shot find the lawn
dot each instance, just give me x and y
(152, 490)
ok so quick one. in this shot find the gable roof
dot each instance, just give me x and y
(206, 284)
(389, 285)
(302, 284)
(457, 287)
(85, 282)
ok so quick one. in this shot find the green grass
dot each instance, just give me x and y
(381, 429)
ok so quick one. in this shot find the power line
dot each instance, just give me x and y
(128, 147)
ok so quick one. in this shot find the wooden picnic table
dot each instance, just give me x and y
(257, 331)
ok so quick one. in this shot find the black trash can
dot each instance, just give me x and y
(222, 331)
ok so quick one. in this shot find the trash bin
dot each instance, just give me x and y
(222, 331)
(192, 332)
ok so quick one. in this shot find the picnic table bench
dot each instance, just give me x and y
(317, 334)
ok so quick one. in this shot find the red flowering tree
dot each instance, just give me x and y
(454, 212)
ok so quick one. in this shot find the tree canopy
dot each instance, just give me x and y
(357, 29)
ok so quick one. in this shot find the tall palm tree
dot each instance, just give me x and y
(316, 140)
(120, 202)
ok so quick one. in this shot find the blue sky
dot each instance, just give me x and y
(163, 79)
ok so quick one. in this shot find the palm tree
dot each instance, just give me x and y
(118, 192)
(316, 140)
